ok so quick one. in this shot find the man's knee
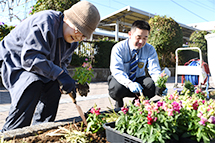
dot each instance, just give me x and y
(148, 86)
(116, 90)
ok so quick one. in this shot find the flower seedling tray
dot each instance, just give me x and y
(115, 136)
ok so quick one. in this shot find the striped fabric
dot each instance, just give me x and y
(133, 66)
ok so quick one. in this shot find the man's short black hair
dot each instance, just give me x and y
(141, 24)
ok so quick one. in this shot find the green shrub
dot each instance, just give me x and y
(197, 39)
(103, 51)
(4, 30)
(166, 36)
(77, 60)
(58, 5)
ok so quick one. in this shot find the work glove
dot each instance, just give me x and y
(161, 91)
(164, 93)
(135, 87)
(67, 84)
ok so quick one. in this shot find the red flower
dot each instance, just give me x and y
(195, 105)
(150, 120)
(124, 110)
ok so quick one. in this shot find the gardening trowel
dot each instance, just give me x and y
(81, 113)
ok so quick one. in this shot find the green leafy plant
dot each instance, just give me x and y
(173, 118)
(84, 74)
(96, 119)
(190, 90)
(162, 79)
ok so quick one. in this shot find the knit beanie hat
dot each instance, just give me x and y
(84, 16)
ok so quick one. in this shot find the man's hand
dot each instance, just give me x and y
(135, 87)
(161, 92)
(164, 93)
(67, 83)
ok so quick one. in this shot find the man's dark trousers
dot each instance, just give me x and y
(118, 91)
(44, 97)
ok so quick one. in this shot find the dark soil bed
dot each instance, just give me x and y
(42, 137)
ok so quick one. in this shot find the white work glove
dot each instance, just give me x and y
(135, 87)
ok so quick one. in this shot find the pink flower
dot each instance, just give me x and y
(137, 103)
(203, 121)
(164, 107)
(148, 107)
(84, 64)
(145, 102)
(163, 74)
(198, 91)
(86, 59)
(171, 97)
(199, 114)
(90, 67)
(170, 112)
(94, 111)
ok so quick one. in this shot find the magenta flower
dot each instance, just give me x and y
(176, 106)
(95, 111)
(159, 103)
(86, 59)
(211, 119)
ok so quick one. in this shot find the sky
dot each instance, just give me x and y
(182, 11)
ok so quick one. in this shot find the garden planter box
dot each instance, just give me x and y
(115, 136)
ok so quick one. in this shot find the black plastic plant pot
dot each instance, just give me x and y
(115, 136)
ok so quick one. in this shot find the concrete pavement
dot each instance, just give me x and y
(98, 95)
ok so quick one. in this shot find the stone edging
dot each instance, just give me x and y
(31, 130)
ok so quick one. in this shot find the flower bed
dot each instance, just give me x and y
(175, 117)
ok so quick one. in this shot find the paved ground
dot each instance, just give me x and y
(98, 95)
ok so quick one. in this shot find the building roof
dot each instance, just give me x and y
(207, 26)
(127, 15)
